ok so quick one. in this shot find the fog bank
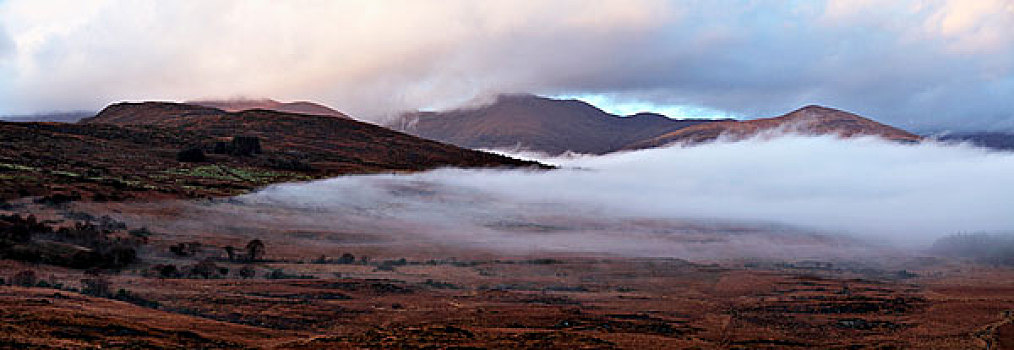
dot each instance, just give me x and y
(786, 196)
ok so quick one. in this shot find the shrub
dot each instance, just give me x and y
(246, 145)
(205, 269)
(247, 272)
(239, 146)
(191, 155)
(166, 271)
(25, 278)
(185, 249)
(142, 233)
(276, 274)
(96, 284)
(127, 296)
(347, 258)
(119, 255)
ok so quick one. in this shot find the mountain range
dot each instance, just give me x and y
(552, 126)
(539, 124)
(180, 149)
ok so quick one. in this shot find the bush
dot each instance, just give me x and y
(278, 274)
(166, 271)
(347, 258)
(191, 155)
(239, 146)
(127, 296)
(25, 278)
(142, 233)
(96, 284)
(205, 269)
(247, 272)
(185, 249)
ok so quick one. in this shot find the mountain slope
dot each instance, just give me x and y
(1001, 141)
(132, 150)
(809, 120)
(539, 124)
(300, 107)
(62, 117)
(337, 144)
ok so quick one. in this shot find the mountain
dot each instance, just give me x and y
(1001, 141)
(300, 107)
(61, 117)
(539, 124)
(160, 149)
(809, 120)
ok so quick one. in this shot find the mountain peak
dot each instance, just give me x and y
(243, 104)
(816, 108)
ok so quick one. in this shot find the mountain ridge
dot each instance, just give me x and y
(299, 107)
(538, 123)
(807, 120)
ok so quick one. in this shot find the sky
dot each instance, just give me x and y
(918, 64)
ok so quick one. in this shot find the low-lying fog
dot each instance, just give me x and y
(784, 196)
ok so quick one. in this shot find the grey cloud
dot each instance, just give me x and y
(940, 65)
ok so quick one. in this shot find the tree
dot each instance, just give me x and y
(255, 250)
(230, 251)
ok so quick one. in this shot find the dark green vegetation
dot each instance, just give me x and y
(102, 244)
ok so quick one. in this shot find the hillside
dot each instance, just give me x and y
(1001, 141)
(300, 107)
(809, 120)
(134, 150)
(61, 117)
(539, 124)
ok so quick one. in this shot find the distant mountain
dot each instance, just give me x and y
(301, 107)
(161, 149)
(809, 120)
(1003, 141)
(539, 124)
(61, 117)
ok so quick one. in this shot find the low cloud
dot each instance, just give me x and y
(791, 196)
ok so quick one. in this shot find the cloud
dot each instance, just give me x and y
(6, 45)
(790, 196)
(919, 64)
